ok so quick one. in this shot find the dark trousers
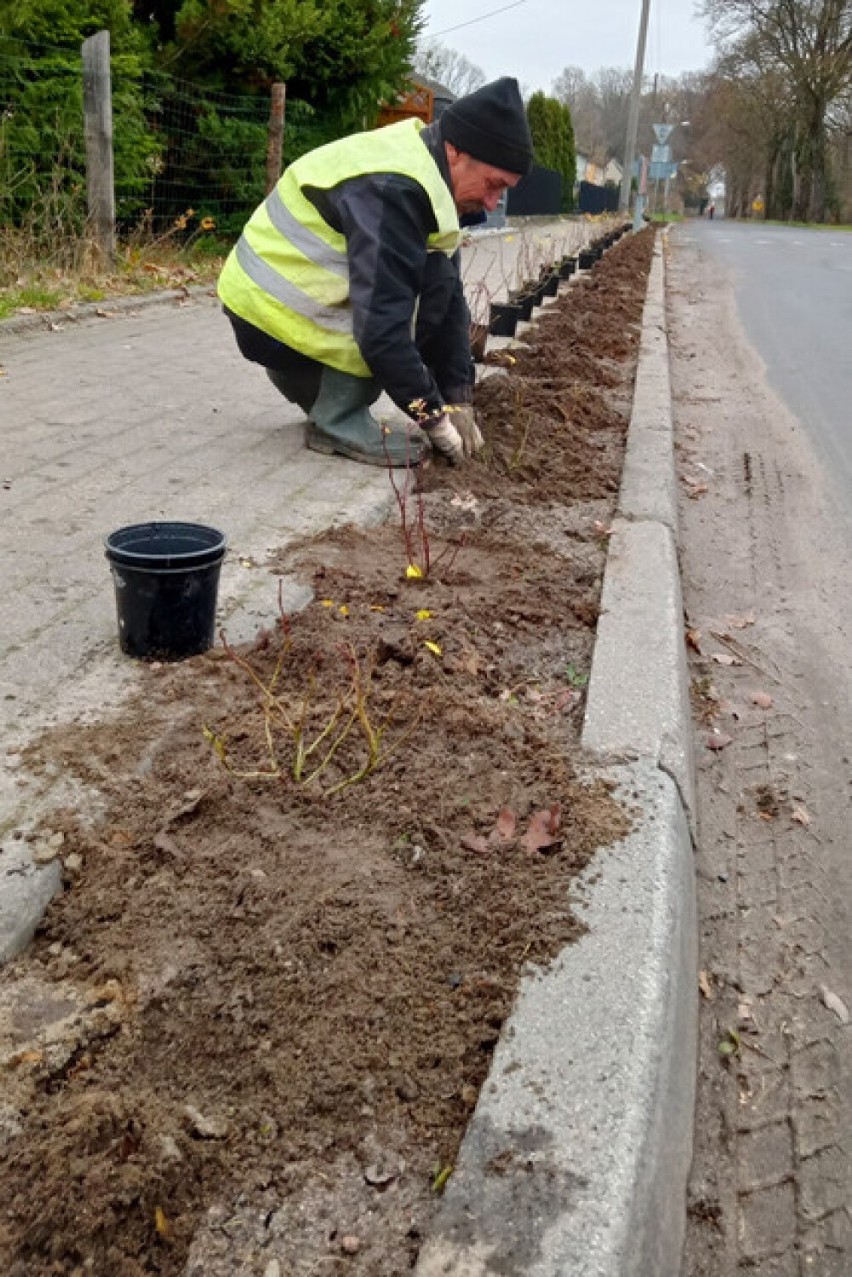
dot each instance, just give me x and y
(294, 374)
(298, 377)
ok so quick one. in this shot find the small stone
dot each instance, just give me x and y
(203, 1128)
(350, 1244)
(406, 1087)
(47, 848)
(380, 1174)
(272, 1269)
(169, 1149)
(74, 862)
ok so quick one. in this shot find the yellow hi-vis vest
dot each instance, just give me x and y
(288, 274)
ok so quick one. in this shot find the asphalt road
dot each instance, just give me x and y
(793, 290)
(761, 380)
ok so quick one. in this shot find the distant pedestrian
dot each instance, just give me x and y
(711, 210)
(345, 281)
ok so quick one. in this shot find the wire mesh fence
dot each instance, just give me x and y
(208, 153)
(182, 153)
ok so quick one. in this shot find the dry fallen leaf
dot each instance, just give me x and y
(505, 827)
(800, 815)
(25, 1057)
(718, 740)
(705, 986)
(741, 622)
(725, 658)
(693, 640)
(563, 699)
(543, 832)
(835, 1004)
(475, 842)
(762, 699)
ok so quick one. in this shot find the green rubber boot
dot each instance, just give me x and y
(340, 422)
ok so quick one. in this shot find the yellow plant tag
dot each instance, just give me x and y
(413, 572)
(424, 614)
(433, 647)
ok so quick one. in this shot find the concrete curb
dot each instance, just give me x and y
(577, 1156)
(51, 319)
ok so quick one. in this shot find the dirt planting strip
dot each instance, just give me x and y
(250, 1032)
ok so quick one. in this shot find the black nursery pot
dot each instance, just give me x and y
(551, 284)
(567, 267)
(524, 302)
(503, 319)
(586, 259)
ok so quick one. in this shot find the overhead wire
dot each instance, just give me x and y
(471, 21)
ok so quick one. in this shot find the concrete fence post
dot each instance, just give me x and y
(275, 144)
(97, 112)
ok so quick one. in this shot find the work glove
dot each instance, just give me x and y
(464, 419)
(445, 439)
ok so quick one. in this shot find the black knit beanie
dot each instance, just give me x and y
(491, 125)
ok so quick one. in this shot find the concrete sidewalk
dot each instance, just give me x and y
(148, 412)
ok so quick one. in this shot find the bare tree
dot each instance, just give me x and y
(809, 43)
(614, 86)
(447, 67)
(591, 104)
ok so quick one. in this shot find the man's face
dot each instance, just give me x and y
(476, 186)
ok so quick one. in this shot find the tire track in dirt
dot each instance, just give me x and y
(769, 1188)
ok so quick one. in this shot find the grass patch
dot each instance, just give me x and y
(41, 276)
(30, 297)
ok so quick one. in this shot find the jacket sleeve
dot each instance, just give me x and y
(386, 219)
(442, 333)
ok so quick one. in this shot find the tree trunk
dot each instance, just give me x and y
(809, 188)
(769, 209)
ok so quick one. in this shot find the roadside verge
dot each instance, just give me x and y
(577, 1155)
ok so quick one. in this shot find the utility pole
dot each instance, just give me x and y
(633, 120)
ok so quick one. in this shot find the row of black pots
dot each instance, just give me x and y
(603, 242)
(505, 316)
(595, 251)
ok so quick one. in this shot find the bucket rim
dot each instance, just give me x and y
(215, 543)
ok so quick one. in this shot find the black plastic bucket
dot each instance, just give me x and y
(166, 578)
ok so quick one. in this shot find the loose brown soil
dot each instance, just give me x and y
(249, 1034)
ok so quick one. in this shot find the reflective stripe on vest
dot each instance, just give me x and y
(313, 247)
(288, 294)
(289, 273)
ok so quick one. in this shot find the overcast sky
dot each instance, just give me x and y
(535, 39)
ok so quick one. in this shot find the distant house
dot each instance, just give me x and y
(608, 174)
(425, 100)
(613, 173)
(441, 95)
